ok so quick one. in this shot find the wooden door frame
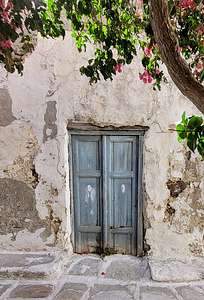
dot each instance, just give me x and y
(88, 129)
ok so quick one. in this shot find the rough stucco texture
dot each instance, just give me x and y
(34, 170)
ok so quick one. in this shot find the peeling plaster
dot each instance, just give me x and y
(50, 117)
(6, 115)
(18, 208)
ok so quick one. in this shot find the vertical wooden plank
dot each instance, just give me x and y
(105, 191)
(134, 195)
(70, 164)
(140, 237)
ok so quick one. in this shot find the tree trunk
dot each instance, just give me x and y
(168, 46)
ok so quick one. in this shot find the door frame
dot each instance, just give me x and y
(87, 129)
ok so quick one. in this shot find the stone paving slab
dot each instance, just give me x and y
(177, 271)
(111, 292)
(72, 291)
(30, 291)
(126, 268)
(31, 266)
(157, 293)
(87, 266)
(22, 260)
(190, 293)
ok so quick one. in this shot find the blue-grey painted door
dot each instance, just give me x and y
(105, 179)
(87, 193)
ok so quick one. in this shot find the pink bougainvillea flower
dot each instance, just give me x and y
(2, 6)
(6, 44)
(6, 16)
(178, 49)
(148, 52)
(200, 29)
(9, 5)
(187, 4)
(118, 68)
(158, 71)
(199, 67)
(6, 4)
(146, 77)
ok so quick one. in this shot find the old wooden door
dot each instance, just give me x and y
(107, 193)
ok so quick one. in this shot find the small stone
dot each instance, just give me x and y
(189, 293)
(156, 293)
(71, 291)
(32, 291)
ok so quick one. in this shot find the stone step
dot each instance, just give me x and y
(35, 266)
(177, 271)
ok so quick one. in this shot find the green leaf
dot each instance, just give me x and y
(180, 127)
(200, 148)
(192, 141)
(184, 118)
(194, 122)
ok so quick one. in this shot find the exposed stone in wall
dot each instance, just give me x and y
(23, 169)
(18, 208)
(169, 214)
(176, 186)
(6, 116)
(50, 117)
(196, 248)
(55, 223)
(185, 207)
(23, 166)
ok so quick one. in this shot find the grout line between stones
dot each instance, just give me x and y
(176, 294)
(57, 288)
(9, 290)
(86, 294)
(137, 292)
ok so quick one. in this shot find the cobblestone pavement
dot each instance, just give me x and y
(93, 278)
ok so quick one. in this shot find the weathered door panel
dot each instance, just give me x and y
(87, 192)
(120, 196)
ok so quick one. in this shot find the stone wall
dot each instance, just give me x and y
(34, 170)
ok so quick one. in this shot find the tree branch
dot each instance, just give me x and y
(168, 46)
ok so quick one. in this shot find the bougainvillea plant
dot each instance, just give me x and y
(164, 31)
